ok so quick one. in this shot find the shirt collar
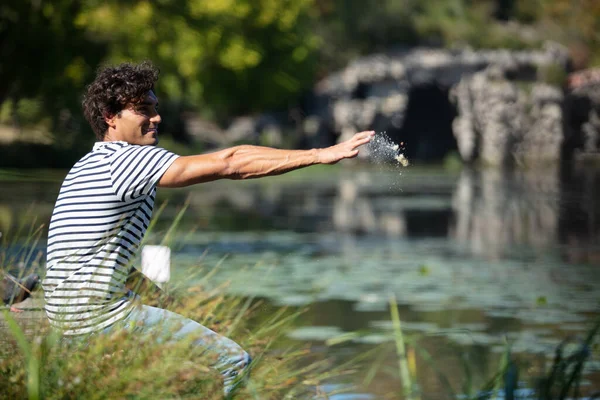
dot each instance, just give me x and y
(99, 145)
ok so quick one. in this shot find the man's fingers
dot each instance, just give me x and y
(353, 153)
(365, 134)
(361, 141)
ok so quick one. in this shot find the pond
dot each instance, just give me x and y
(476, 260)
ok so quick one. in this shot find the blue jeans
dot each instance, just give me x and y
(231, 360)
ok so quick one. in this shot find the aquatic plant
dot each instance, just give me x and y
(562, 381)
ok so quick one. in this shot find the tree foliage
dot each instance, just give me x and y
(353, 27)
(221, 58)
(43, 56)
(226, 56)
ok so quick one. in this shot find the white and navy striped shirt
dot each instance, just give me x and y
(100, 217)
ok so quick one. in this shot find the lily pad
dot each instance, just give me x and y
(315, 333)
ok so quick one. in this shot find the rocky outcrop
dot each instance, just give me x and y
(501, 122)
(374, 91)
(497, 119)
(498, 107)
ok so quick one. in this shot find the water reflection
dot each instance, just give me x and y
(496, 211)
(491, 212)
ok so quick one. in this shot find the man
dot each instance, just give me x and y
(106, 201)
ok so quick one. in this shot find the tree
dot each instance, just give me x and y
(222, 56)
(44, 56)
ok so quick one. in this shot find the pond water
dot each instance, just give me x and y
(475, 260)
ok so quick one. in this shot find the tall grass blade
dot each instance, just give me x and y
(31, 359)
(426, 357)
(511, 378)
(503, 368)
(375, 367)
(170, 232)
(239, 316)
(579, 359)
(468, 385)
(400, 348)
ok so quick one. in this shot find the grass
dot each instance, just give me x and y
(39, 364)
(562, 381)
(128, 366)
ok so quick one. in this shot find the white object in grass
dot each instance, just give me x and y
(156, 263)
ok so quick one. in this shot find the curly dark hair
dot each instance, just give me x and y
(114, 88)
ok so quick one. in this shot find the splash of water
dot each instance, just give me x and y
(383, 150)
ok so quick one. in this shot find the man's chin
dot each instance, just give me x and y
(153, 141)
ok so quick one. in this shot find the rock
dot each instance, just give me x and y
(14, 290)
(542, 140)
(501, 122)
(497, 120)
(242, 128)
(201, 130)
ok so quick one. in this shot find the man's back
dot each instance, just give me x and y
(100, 217)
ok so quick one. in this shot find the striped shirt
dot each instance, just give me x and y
(100, 217)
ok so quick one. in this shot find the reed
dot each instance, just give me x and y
(561, 382)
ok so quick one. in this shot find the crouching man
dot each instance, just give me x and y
(105, 204)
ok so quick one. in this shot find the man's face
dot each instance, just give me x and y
(138, 123)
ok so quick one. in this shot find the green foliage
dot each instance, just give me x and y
(229, 56)
(223, 57)
(452, 161)
(44, 57)
(553, 74)
(39, 364)
(349, 28)
(353, 27)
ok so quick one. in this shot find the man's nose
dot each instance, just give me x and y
(156, 119)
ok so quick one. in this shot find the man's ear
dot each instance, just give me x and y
(110, 119)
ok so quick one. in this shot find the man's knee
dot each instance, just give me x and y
(242, 361)
(247, 360)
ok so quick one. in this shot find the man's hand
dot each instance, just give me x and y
(347, 149)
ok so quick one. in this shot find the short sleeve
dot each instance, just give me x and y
(136, 170)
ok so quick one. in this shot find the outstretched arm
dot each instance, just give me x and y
(245, 162)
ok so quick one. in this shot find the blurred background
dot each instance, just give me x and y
(490, 235)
